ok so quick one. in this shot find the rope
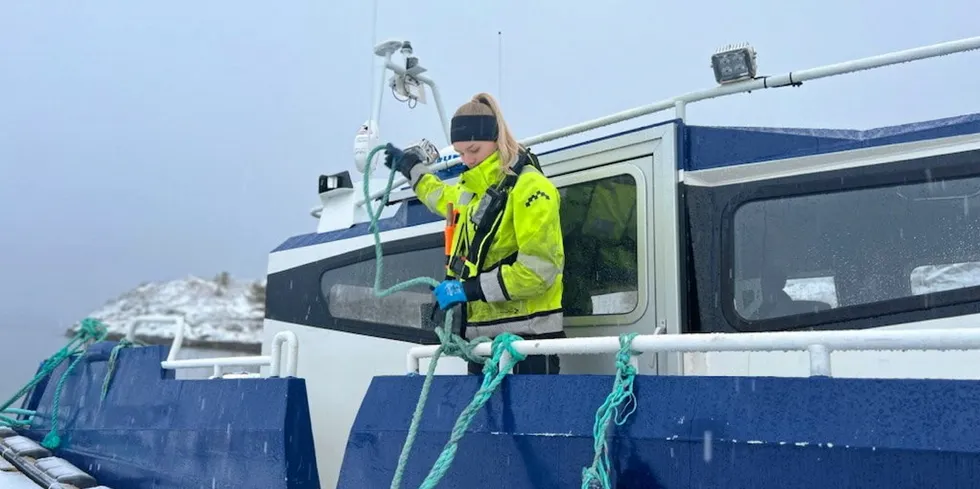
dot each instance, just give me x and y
(449, 344)
(597, 475)
(53, 440)
(90, 331)
(8, 421)
(111, 368)
(492, 376)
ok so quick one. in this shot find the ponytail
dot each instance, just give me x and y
(507, 145)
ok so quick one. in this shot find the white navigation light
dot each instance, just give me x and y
(366, 139)
(734, 63)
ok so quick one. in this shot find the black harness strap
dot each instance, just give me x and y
(491, 216)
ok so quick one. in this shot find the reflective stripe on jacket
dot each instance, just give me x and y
(521, 276)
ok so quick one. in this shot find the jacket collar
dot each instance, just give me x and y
(483, 176)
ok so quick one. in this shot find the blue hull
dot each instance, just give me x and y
(152, 431)
(688, 432)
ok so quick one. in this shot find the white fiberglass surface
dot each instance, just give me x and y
(338, 369)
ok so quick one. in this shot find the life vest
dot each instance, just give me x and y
(517, 253)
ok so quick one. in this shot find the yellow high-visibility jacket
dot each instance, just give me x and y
(520, 282)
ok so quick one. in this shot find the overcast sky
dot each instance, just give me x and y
(151, 140)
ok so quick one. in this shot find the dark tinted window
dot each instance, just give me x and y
(599, 226)
(811, 253)
(349, 290)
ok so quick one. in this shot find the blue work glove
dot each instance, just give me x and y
(449, 293)
(403, 162)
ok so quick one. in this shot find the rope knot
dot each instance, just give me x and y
(92, 328)
(505, 341)
(624, 367)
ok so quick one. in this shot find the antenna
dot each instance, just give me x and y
(374, 41)
(500, 65)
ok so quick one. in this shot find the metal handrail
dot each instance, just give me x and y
(819, 344)
(274, 360)
(679, 103)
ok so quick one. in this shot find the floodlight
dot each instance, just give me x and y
(734, 63)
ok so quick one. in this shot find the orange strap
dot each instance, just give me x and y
(450, 232)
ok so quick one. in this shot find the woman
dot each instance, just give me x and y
(507, 252)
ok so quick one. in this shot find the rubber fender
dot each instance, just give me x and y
(64, 472)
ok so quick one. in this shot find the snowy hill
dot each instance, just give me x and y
(221, 313)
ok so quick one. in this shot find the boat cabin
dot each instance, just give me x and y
(670, 229)
(683, 229)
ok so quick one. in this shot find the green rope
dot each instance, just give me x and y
(8, 421)
(19, 411)
(449, 344)
(492, 376)
(90, 331)
(113, 356)
(53, 440)
(598, 474)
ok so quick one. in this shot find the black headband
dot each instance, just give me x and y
(473, 128)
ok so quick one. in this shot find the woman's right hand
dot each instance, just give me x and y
(399, 160)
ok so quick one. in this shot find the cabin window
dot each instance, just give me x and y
(349, 290)
(804, 254)
(599, 226)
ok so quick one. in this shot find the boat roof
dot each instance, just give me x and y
(702, 148)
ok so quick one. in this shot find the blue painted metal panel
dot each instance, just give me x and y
(704, 432)
(714, 147)
(703, 147)
(152, 431)
(412, 214)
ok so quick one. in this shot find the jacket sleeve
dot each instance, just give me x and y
(433, 192)
(540, 251)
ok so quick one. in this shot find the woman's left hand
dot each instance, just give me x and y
(449, 293)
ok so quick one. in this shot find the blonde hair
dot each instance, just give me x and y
(485, 104)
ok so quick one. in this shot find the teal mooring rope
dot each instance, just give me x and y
(493, 373)
(598, 474)
(449, 344)
(90, 331)
(113, 358)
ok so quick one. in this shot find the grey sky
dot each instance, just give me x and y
(151, 140)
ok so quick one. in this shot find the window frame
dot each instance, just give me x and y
(895, 172)
(312, 309)
(642, 238)
(422, 242)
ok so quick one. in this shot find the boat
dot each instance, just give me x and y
(780, 307)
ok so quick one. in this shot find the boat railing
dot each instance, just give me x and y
(679, 103)
(274, 360)
(819, 344)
